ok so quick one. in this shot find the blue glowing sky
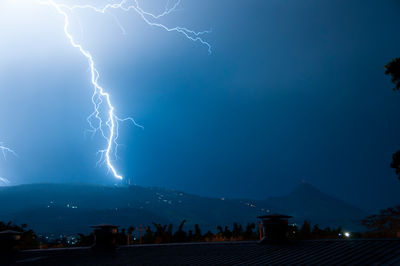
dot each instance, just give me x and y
(294, 90)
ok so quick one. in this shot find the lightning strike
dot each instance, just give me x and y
(109, 127)
(4, 150)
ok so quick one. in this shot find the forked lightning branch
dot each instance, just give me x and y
(104, 119)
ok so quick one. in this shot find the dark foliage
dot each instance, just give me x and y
(385, 224)
(305, 230)
(180, 235)
(148, 237)
(396, 163)
(393, 69)
(28, 237)
(159, 233)
(316, 232)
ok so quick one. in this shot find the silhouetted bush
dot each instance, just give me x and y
(28, 237)
(385, 224)
(158, 233)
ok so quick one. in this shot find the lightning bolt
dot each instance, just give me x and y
(109, 127)
(4, 150)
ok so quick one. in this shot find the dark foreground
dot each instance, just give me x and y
(312, 252)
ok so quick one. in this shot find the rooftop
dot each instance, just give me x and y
(309, 252)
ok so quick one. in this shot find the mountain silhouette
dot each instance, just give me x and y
(72, 208)
(306, 202)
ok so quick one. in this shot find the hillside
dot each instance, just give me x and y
(72, 208)
(306, 202)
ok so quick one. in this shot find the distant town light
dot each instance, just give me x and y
(347, 234)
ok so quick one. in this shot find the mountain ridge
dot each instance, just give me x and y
(73, 207)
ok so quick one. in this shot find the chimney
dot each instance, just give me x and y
(275, 228)
(9, 241)
(105, 237)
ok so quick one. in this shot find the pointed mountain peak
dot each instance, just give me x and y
(305, 187)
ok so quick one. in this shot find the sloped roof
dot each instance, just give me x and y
(312, 252)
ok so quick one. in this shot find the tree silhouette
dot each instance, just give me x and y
(160, 236)
(384, 224)
(148, 235)
(387, 222)
(237, 231)
(197, 233)
(249, 232)
(180, 235)
(130, 231)
(28, 237)
(227, 233)
(396, 163)
(393, 69)
(220, 230)
(305, 230)
(209, 236)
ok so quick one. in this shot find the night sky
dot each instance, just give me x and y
(294, 90)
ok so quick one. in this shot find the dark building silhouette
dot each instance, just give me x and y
(105, 237)
(9, 240)
(275, 228)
